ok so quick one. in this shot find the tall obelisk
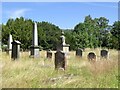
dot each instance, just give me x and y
(10, 40)
(35, 48)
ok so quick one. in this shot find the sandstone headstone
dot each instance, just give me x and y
(79, 52)
(34, 47)
(60, 60)
(91, 56)
(104, 54)
(15, 50)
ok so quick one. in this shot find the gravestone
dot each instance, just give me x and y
(15, 50)
(34, 47)
(49, 54)
(104, 54)
(63, 46)
(79, 52)
(60, 60)
(9, 50)
(91, 56)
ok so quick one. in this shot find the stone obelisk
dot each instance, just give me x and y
(10, 40)
(34, 48)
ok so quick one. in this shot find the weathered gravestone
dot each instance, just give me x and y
(60, 60)
(49, 54)
(15, 50)
(63, 46)
(9, 50)
(79, 52)
(91, 56)
(34, 47)
(104, 54)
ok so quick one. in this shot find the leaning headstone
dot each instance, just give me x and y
(49, 54)
(91, 56)
(9, 50)
(79, 52)
(15, 50)
(104, 54)
(60, 60)
(34, 47)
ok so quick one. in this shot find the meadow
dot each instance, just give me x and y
(40, 73)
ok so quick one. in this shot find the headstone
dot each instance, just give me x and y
(91, 56)
(60, 60)
(79, 52)
(10, 44)
(104, 54)
(34, 47)
(15, 50)
(49, 54)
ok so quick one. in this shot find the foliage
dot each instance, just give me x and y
(92, 33)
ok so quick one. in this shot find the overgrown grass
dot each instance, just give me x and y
(80, 73)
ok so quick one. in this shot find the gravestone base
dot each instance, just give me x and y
(34, 51)
(65, 48)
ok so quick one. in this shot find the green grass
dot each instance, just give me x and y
(40, 73)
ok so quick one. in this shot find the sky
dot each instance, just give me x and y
(63, 14)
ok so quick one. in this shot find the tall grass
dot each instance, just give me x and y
(80, 73)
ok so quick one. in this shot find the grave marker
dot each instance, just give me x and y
(49, 54)
(79, 52)
(60, 60)
(35, 48)
(91, 56)
(104, 54)
(15, 50)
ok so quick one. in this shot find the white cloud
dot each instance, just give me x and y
(16, 13)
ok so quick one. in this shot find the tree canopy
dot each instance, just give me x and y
(91, 33)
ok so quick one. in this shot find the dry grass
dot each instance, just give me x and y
(39, 73)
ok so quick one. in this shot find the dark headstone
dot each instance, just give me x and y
(91, 56)
(49, 54)
(104, 53)
(79, 52)
(60, 60)
(15, 50)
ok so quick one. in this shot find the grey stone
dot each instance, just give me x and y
(60, 60)
(15, 50)
(91, 56)
(63, 46)
(104, 54)
(34, 47)
(79, 52)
